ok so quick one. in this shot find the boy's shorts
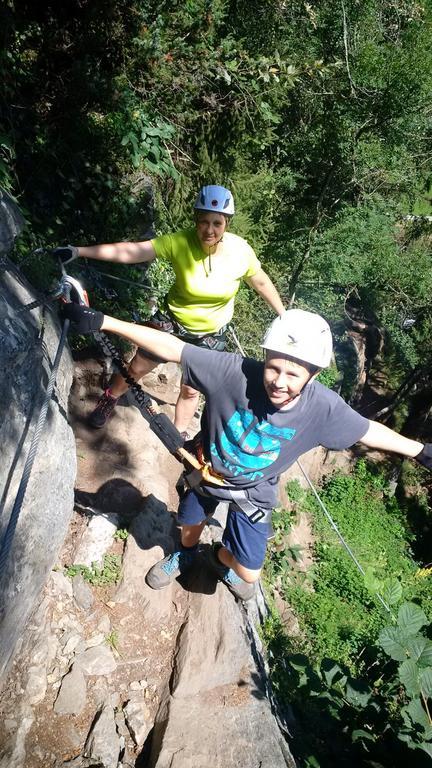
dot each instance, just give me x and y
(165, 321)
(246, 541)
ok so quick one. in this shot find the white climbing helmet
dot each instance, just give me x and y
(303, 335)
(215, 198)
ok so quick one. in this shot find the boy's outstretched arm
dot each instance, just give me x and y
(385, 439)
(162, 344)
(87, 320)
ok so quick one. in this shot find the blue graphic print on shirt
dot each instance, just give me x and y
(251, 445)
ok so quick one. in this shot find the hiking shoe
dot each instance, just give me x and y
(165, 571)
(99, 417)
(239, 588)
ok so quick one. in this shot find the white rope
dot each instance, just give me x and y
(236, 341)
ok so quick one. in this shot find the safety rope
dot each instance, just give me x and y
(236, 340)
(96, 276)
(16, 509)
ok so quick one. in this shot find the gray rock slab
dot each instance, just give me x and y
(229, 728)
(96, 540)
(60, 584)
(154, 525)
(216, 712)
(96, 639)
(133, 589)
(82, 593)
(36, 684)
(213, 649)
(11, 221)
(138, 720)
(13, 754)
(103, 742)
(96, 661)
(72, 696)
(80, 762)
(104, 624)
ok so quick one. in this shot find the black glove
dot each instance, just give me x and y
(85, 320)
(425, 456)
(66, 253)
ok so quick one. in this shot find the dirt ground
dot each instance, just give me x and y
(112, 475)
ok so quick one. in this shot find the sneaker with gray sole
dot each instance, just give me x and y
(167, 570)
(239, 588)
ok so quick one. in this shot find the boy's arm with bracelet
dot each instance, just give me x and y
(162, 344)
(88, 320)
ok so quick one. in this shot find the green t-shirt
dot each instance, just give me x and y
(202, 296)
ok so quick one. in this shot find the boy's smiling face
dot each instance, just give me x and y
(284, 379)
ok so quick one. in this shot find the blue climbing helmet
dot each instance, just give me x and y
(215, 198)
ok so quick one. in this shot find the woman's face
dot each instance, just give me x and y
(210, 227)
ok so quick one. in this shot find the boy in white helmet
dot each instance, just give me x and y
(259, 418)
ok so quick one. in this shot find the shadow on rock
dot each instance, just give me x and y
(199, 579)
(115, 497)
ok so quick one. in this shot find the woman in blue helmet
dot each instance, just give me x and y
(208, 263)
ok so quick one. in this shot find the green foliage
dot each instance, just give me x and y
(330, 377)
(317, 117)
(341, 612)
(405, 643)
(347, 700)
(340, 717)
(98, 576)
(121, 534)
(112, 639)
(146, 143)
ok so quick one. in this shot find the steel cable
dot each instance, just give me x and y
(16, 509)
(337, 531)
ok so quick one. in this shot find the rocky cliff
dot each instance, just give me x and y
(28, 342)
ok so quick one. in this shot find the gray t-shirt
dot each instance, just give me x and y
(248, 440)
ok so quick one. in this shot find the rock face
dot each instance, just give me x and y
(157, 678)
(28, 342)
(216, 704)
